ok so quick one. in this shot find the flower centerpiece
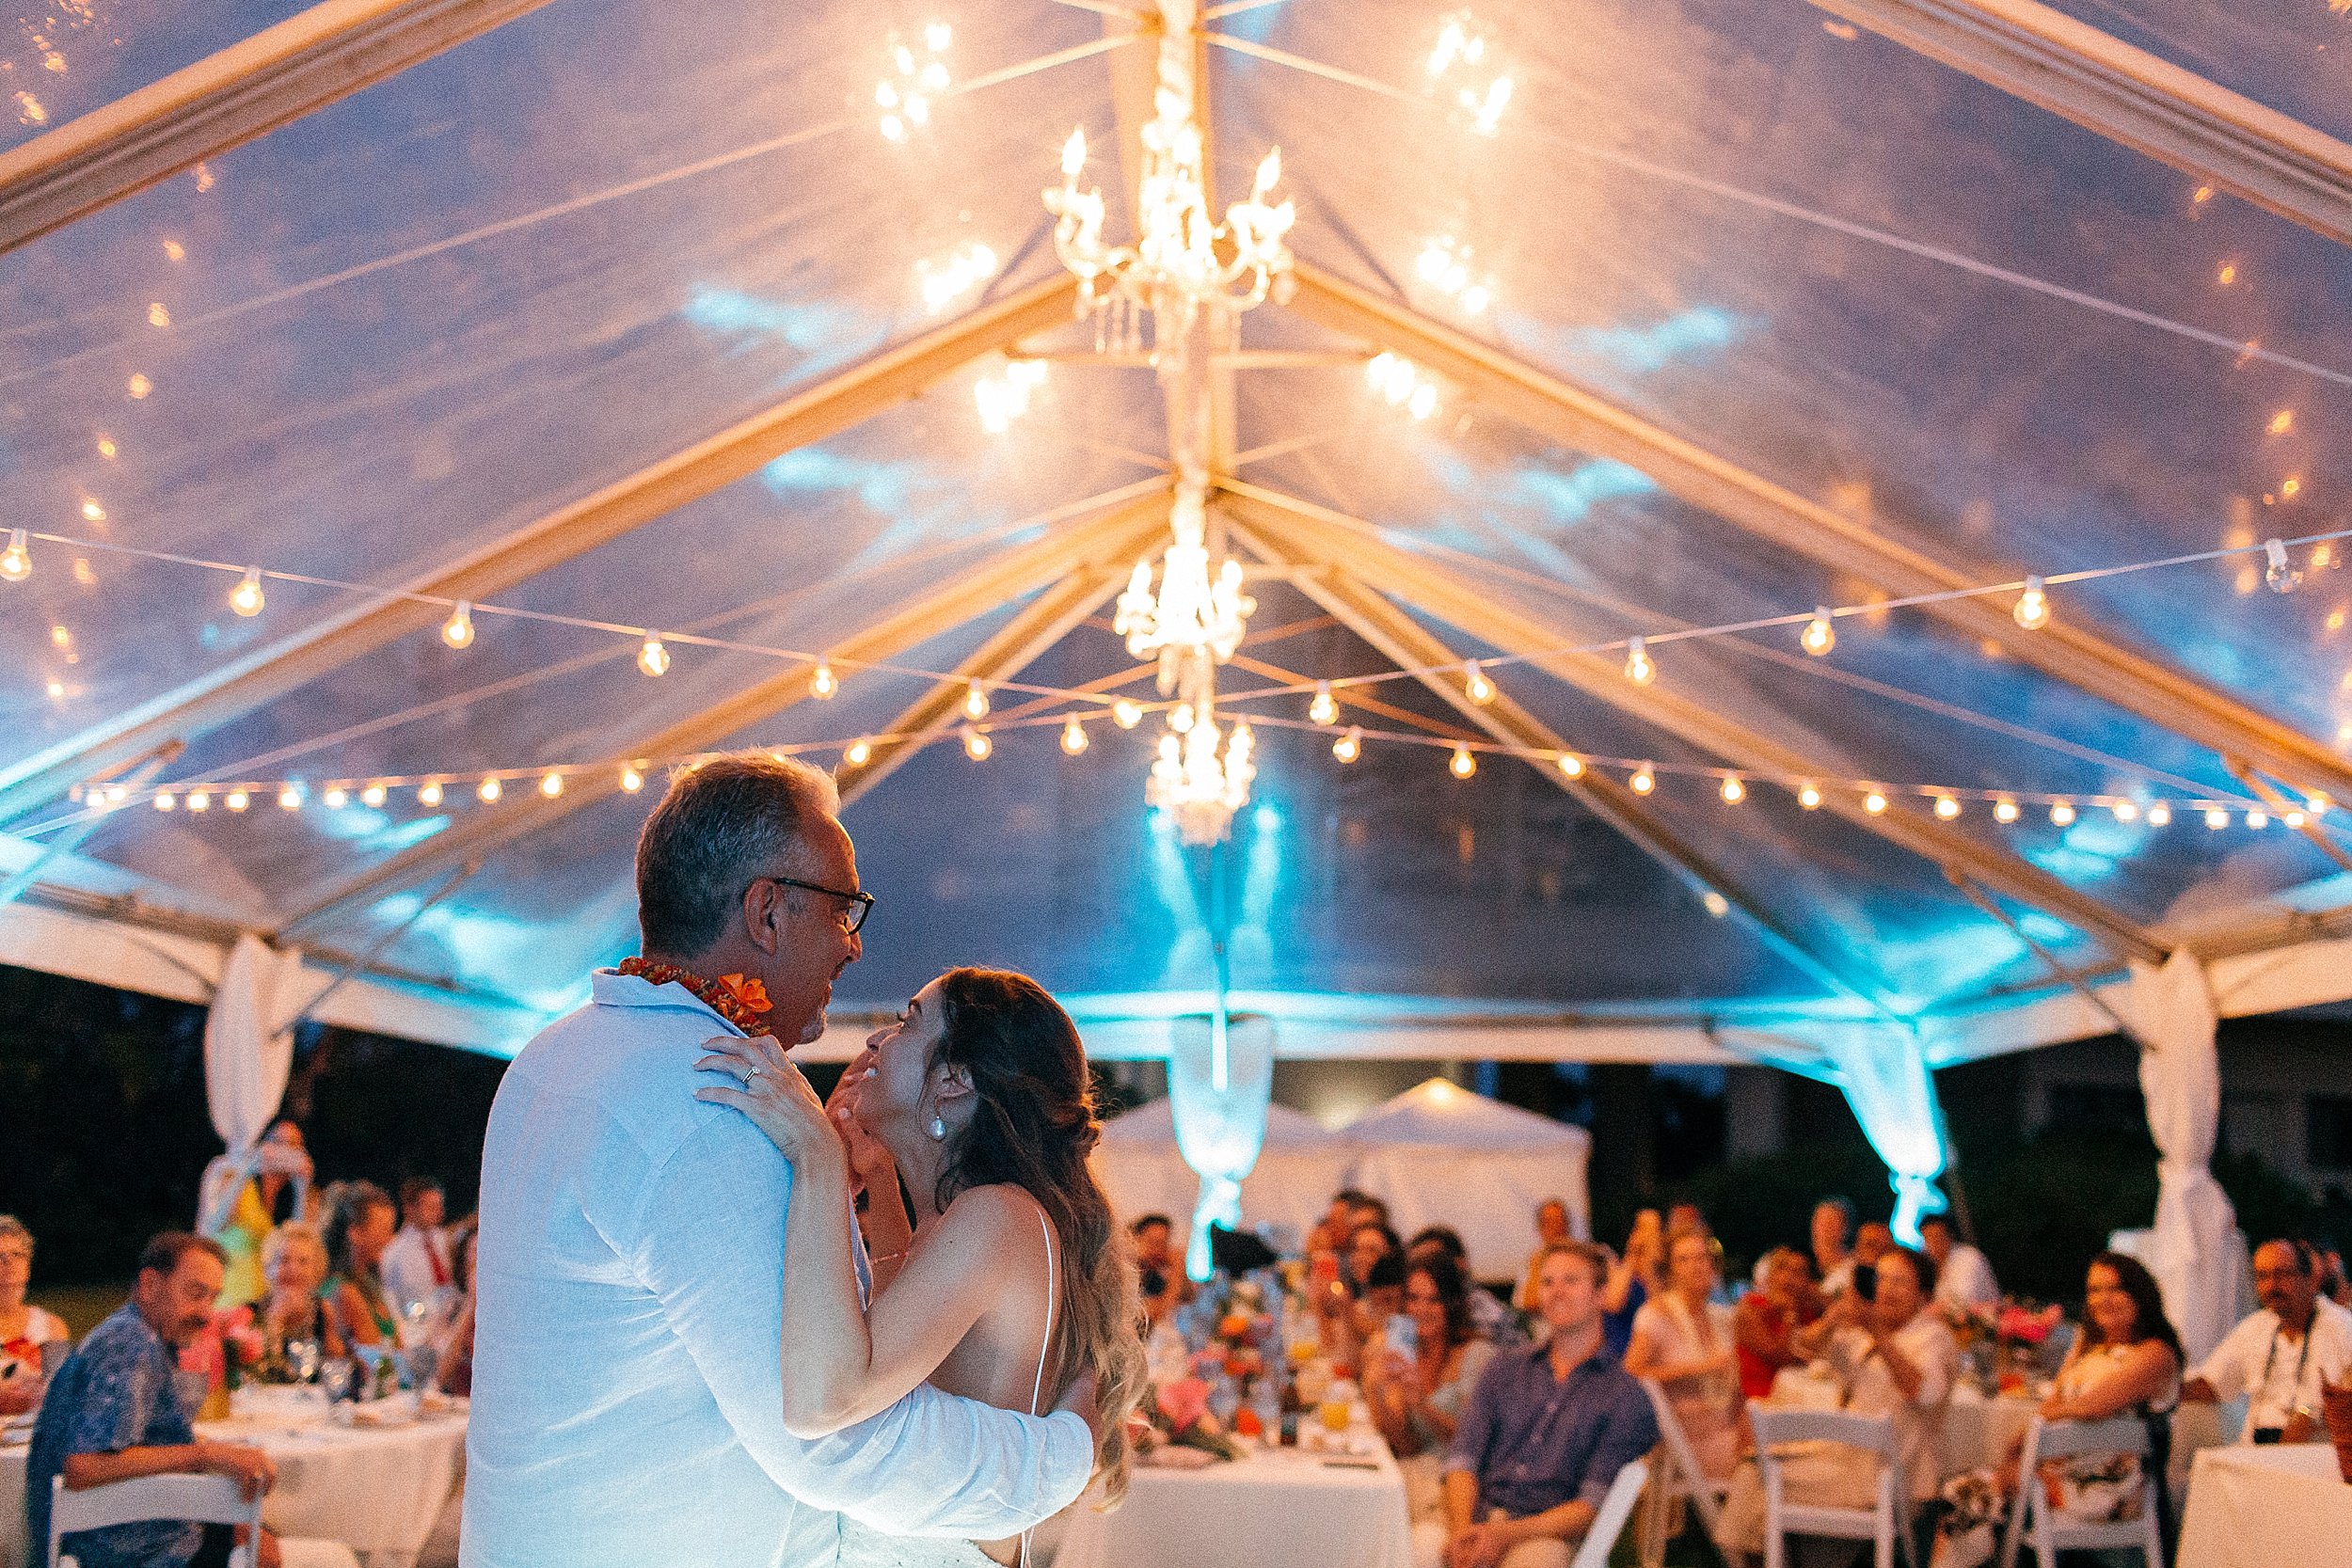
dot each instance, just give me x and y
(2023, 1330)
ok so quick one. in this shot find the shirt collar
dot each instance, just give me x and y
(609, 989)
(1541, 1353)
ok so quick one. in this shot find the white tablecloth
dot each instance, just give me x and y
(377, 1490)
(2258, 1507)
(1283, 1505)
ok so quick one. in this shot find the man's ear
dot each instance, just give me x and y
(761, 910)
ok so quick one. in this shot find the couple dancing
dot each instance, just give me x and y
(675, 1359)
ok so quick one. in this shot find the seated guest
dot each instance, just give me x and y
(1765, 1326)
(1682, 1337)
(415, 1266)
(24, 1327)
(294, 1261)
(1894, 1358)
(359, 1228)
(1366, 1246)
(1545, 1431)
(2333, 1284)
(1493, 1320)
(1833, 1259)
(454, 1374)
(1551, 1230)
(1637, 1276)
(2127, 1361)
(1159, 1273)
(113, 1413)
(1963, 1280)
(1685, 1219)
(1416, 1399)
(1872, 1241)
(2280, 1356)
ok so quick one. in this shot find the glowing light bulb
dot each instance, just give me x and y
(2217, 818)
(1350, 745)
(974, 702)
(1717, 905)
(1180, 719)
(15, 563)
(1074, 155)
(2005, 810)
(2126, 811)
(158, 314)
(1947, 806)
(1074, 737)
(1874, 802)
(1463, 764)
(237, 799)
(551, 786)
(245, 599)
(374, 795)
(2033, 606)
(289, 799)
(821, 684)
(429, 793)
(106, 448)
(1126, 713)
(2317, 804)
(631, 780)
(91, 511)
(654, 658)
(1638, 667)
(1571, 764)
(1809, 797)
(198, 801)
(977, 745)
(165, 801)
(1643, 780)
(937, 35)
(2160, 815)
(1819, 636)
(2291, 820)
(457, 631)
(1732, 790)
(1325, 710)
(2062, 814)
(1476, 686)
(491, 789)
(335, 797)
(2258, 819)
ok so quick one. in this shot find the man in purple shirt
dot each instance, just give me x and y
(1546, 1430)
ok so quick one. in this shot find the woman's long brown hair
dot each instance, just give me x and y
(1033, 1128)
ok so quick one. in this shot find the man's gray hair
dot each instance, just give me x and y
(722, 823)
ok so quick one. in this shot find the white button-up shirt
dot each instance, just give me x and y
(627, 1394)
(2279, 1373)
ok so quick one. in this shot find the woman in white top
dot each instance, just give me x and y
(1013, 1284)
(1683, 1338)
(24, 1327)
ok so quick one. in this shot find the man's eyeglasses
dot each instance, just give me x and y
(859, 903)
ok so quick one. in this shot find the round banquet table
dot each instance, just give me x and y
(2256, 1507)
(1277, 1505)
(378, 1490)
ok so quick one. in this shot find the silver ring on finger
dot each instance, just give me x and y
(755, 1073)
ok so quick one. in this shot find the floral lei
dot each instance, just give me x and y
(742, 1001)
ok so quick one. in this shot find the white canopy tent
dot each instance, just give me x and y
(1299, 1169)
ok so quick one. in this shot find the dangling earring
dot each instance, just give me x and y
(938, 1130)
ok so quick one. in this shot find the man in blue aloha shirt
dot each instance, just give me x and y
(113, 1413)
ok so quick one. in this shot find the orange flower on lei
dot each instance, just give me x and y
(751, 993)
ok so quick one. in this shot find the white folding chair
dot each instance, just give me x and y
(205, 1499)
(1679, 1477)
(2031, 1517)
(1881, 1524)
(1610, 1522)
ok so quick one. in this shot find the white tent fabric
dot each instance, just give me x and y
(1883, 1073)
(1439, 1154)
(1299, 1167)
(249, 1051)
(1220, 1081)
(2192, 1249)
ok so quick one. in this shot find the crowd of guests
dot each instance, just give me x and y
(1510, 1424)
(340, 1286)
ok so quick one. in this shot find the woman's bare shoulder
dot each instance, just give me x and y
(996, 1212)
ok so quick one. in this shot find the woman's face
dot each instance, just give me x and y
(16, 1267)
(896, 1099)
(1365, 1248)
(1648, 1231)
(1693, 1266)
(1426, 1307)
(301, 1269)
(1789, 1276)
(372, 1234)
(2111, 1308)
(1900, 1297)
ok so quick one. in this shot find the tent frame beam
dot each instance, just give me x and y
(1009, 575)
(805, 419)
(2129, 96)
(1879, 550)
(279, 75)
(1435, 590)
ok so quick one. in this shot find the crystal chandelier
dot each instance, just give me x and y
(1200, 789)
(1190, 612)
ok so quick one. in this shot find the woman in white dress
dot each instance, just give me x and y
(1683, 1338)
(23, 1329)
(1012, 1283)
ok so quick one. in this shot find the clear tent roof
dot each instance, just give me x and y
(398, 329)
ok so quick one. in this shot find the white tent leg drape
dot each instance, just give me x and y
(1219, 1082)
(249, 1053)
(2193, 1247)
(1884, 1074)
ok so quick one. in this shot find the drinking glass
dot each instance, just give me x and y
(302, 1360)
(335, 1376)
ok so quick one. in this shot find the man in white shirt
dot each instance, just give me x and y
(1964, 1277)
(628, 1393)
(416, 1262)
(2279, 1357)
